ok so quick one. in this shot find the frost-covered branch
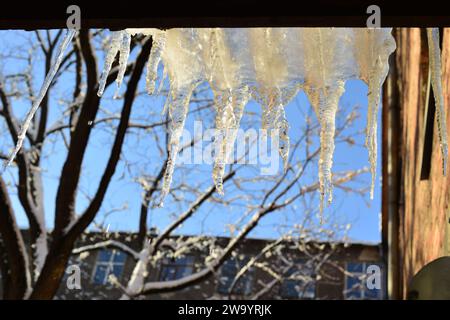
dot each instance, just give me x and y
(107, 244)
(252, 261)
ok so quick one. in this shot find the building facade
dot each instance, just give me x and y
(415, 191)
(342, 276)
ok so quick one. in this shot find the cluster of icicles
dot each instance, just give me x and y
(269, 65)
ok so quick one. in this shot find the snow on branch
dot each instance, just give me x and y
(107, 244)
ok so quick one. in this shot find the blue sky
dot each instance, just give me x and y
(142, 155)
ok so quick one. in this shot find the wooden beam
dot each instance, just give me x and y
(231, 13)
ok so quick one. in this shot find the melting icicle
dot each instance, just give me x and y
(375, 84)
(223, 75)
(274, 122)
(229, 115)
(272, 74)
(269, 65)
(324, 91)
(185, 73)
(159, 40)
(161, 83)
(178, 108)
(114, 47)
(436, 82)
(372, 49)
(123, 59)
(47, 82)
(224, 122)
(275, 63)
(327, 116)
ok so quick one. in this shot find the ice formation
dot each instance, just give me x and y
(269, 65)
(47, 81)
(436, 83)
(118, 43)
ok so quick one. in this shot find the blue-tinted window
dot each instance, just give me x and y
(100, 274)
(109, 262)
(355, 267)
(356, 286)
(104, 255)
(354, 294)
(373, 294)
(173, 269)
(228, 272)
(299, 282)
(353, 283)
(120, 257)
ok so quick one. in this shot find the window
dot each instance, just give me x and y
(355, 284)
(228, 272)
(173, 269)
(427, 149)
(299, 282)
(109, 262)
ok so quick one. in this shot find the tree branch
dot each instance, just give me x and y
(18, 280)
(86, 218)
(70, 175)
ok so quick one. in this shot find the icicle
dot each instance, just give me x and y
(159, 40)
(372, 49)
(116, 40)
(165, 107)
(436, 82)
(270, 65)
(274, 122)
(272, 74)
(282, 127)
(123, 59)
(229, 114)
(375, 84)
(221, 83)
(47, 82)
(324, 89)
(178, 108)
(161, 84)
(185, 73)
(221, 71)
(224, 122)
(328, 106)
(279, 68)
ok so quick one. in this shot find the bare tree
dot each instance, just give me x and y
(50, 253)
